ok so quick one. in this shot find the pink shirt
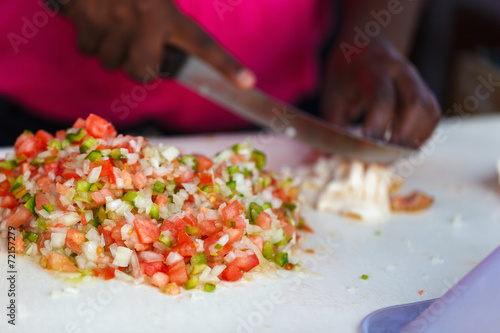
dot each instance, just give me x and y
(41, 67)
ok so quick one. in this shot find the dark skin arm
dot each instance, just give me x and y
(372, 75)
(132, 34)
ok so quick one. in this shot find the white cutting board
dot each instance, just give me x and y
(424, 251)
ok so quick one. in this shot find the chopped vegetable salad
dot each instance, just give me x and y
(93, 203)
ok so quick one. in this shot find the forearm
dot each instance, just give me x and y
(394, 20)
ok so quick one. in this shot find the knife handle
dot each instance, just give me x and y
(172, 61)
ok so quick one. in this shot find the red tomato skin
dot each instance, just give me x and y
(232, 273)
(206, 178)
(147, 231)
(204, 163)
(44, 137)
(99, 127)
(150, 268)
(20, 217)
(177, 273)
(264, 221)
(246, 263)
(231, 211)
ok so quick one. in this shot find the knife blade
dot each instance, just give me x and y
(275, 115)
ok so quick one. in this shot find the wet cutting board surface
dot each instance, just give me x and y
(402, 256)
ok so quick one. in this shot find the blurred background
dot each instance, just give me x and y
(456, 49)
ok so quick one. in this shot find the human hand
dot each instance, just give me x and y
(132, 34)
(383, 84)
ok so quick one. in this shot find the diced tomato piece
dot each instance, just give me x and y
(8, 201)
(235, 235)
(246, 263)
(147, 231)
(187, 249)
(139, 180)
(257, 240)
(29, 147)
(99, 197)
(413, 202)
(113, 236)
(61, 189)
(183, 238)
(280, 194)
(161, 199)
(69, 174)
(237, 158)
(44, 183)
(189, 219)
(4, 186)
(107, 170)
(209, 227)
(179, 225)
(61, 135)
(185, 177)
(150, 268)
(177, 273)
(44, 137)
(79, 123)
(60, 263)
(169, 225)
(160, 280)
(19, 244)
(232, 273)
(204, 163)
(75, 238)
(109, 273)
(264, 221)
(20, 217)
(288, 228)
(239, 222)
(231, 211)
(206, 178)
(99, 127)
(40, 200)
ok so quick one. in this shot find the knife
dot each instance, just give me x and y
(272, 114)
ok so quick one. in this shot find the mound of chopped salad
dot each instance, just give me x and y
(90, 202)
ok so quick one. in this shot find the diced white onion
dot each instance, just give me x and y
(93, 235)
(173, 257)
(125, 231)
(150, 256)
(94, 175)
(89, 250)
(57, 240)
(171, 153)
(122, 256)
(69, 219)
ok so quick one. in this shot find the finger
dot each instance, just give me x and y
(90, 24)
(113, 49)
(417, 114)
(190, 37)
(145, 51)
(380, 104)
(335, 106)
(355, 105)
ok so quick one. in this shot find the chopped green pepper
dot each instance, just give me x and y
(364, 277)
(159, 187)
(259, 158)
(41, 225)
(83, 186)
(218, 246)
(199, 259)
(267, 205)
(232, 169)
(155, 212)
(75, 137)
(290, 206)
(267, 250)
(30, 205)
(190, 230)
(49, 208)
(209, 287)
(192, 282)
(190, 161)
(281, 258)
(117, 155)
(32, 236)
(8, 165)
(130, 197)
(231, 185)
(17, 183)
(255, 211)
(165, 240)
(94, 155)
(88, 143)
